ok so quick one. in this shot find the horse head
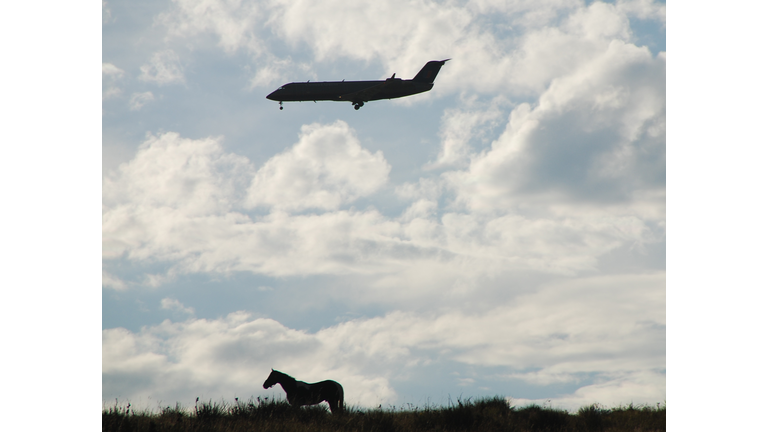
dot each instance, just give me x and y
(277, 377)
(271, 379)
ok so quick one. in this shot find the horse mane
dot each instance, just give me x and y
(284, 375)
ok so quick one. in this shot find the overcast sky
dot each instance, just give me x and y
(502, 234)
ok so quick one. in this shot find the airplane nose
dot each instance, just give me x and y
(271, 96)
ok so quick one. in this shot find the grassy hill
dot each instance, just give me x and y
(491, 414)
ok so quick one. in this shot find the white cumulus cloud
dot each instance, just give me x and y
(327, 168)
(188, 203)
(596, 135)
(170, 180)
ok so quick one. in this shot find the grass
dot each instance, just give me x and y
(490, 414)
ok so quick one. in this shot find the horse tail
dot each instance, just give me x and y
(341, 398)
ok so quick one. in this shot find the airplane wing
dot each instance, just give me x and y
(371, 92)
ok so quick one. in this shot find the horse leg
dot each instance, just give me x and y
(337, 402)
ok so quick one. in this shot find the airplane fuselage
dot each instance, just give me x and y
(358, 92)
(347, 91)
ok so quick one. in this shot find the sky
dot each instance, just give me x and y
(62, 140)
(502, 234)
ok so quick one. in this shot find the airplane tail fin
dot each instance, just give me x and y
(428, 73)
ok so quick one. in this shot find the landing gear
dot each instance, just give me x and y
(358, 105)
(281, 105)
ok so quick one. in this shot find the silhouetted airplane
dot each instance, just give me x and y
(358, 92)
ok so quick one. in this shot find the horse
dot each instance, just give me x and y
(300, 393)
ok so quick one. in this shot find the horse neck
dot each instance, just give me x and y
(287, 382)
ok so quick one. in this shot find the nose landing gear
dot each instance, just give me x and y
(281, 105)
(358, 104)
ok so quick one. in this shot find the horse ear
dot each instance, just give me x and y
(273, 370)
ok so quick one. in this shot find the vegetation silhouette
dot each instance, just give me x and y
(489, 414)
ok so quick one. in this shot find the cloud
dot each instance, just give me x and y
(273, 72)
(110, 74)
(111, 70)
(534, 45)
(514, 47)
(462, 125)
(171, 183)
(195, 177)
(111, 281)
(327, 168)
(163, 68)
(641, 388)
(175, 305)
(406, 26)
(138, 100)
(597, 135)
(610, 326)
(188, 203)
(232, 355)
(106, 13)
(232, 22)
(644, 9)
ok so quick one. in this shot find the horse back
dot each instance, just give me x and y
(314, 393)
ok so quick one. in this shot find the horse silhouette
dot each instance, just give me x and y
(300, 393)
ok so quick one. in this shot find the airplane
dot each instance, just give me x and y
(359, 92)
